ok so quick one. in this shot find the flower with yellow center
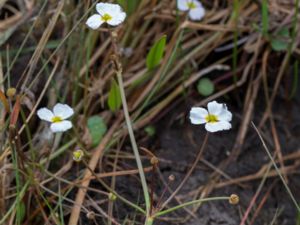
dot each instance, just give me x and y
(194, 8)
(58, 117)
(111, 14)
(216, 117)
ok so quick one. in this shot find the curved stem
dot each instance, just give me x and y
(188, 174)
(114, 192)
(161, 213)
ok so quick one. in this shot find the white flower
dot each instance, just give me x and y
(107, 13)
(215, 119)
(58, 117)
(195, 8)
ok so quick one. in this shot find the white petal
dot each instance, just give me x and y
(94, 21)
(63, 110)
(117, 19)
(45, 114)
(214, 108)
(225, 115)
(197, 13)
(61, 126)
(218, 126)
(111, 9)
(197, 115)
(182, 5)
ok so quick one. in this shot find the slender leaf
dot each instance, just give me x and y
(114, 97)
(156, 53)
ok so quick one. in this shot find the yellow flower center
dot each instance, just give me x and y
(211, 118)
(191, 5)
(56, 119)
(106, 17)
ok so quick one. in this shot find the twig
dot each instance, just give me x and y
(92, 165)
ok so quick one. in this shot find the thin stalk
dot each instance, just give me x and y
(276, 168)
(114, 192)
(16, 202)
(235, 40)
(118, 68)
(188, 173)
(133, 142)
(59, 151)
(164, 212)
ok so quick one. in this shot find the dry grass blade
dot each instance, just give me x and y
(92, 165)
(277, 169)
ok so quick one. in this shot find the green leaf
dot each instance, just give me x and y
(97, 129)
(22, 211)
(280, 41)
(265, 18)
(114, 97)
(150, 130)
(205, 87)
(298, 218)
(156, 53)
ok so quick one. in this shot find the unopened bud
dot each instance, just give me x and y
(112, 197)
(171, 177)
(77, 155)
(90, 215)
(154, 160)
(114, 34)
(234, 199)
(11, 92)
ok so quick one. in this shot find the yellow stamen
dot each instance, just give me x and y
(211, 118)
(106, 17)
(56, 119)
(191, 5)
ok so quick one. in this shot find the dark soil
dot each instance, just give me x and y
(177, 143)
(180, 143)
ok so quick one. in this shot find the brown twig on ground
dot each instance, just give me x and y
(92, 164)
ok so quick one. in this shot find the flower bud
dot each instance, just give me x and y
(171, 177)
(234, 199)
(11, 92)
(77, 155)
(90, 215)
(112, 197)
(154, 160)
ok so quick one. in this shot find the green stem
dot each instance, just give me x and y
(114, 192)
(133, 142)
(60, 151)
(16, 202)
(161, 213)
(149, 221)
